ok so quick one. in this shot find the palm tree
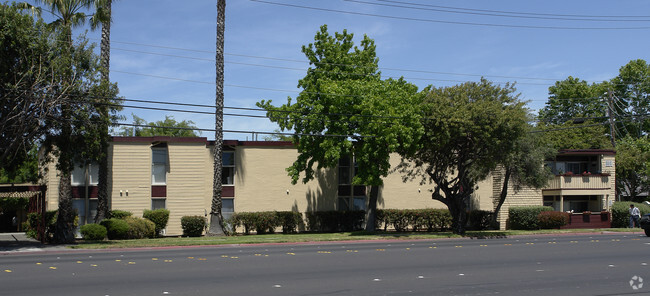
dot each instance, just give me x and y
(69, 14)
(216, 219)
(103, 16)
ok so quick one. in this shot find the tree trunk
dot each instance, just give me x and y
(216, 219)
(102, 186)
(458, 213)
(64, 231)
(502, 196)
(371, 212)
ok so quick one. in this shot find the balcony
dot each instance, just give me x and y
(579, 182)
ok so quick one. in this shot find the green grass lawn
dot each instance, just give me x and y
(320, 237)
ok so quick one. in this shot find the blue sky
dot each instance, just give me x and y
(164, 50)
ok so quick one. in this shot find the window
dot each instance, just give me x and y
(78, 176)
(350, 197)
(227, 207)
(158, 203)
(159, 165)
(228, 173)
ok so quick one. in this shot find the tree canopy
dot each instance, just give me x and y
(167, 127)
(345, 110)
(470, 129)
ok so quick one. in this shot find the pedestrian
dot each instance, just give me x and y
(635, 214)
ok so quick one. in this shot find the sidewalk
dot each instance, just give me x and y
(19, 242)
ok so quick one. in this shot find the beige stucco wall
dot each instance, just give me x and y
(130, 171)
(262, 183)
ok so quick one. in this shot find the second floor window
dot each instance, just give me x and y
(78, 176)
(159, 166)
(228, 173)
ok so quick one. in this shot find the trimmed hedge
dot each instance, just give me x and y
(140, 228)
(552, 219)
(400, 220)
(289, 220)
(116, 228)
(193, 225)
(480, 220)
(159, 217)
(93, 232)
(335, 221)
(263, 222)
(119, 214)
(621, 214)
(526, 218)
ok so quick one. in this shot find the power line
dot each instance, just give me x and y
(424, 7)
(518, 12)
(447, 22)
(336, 64)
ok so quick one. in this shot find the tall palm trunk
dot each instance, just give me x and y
(102, 185)
(64, 231)
(216, 218)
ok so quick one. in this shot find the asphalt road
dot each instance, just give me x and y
(544, 265)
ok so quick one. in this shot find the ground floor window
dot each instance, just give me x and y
(158, 203)
(354, 203)
(227, 207)
(574, 203)
(85, 213)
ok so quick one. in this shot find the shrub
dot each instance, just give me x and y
(335, 221)
(400, 220)
(265, 222)
(193, 225)
(552, 219)
(34, 221)
(289, 221)
(119, 214)
(525, 218)
(159, 217)
(93, 231)
(480, 220)
(621, 214)
(116, 228)
(140, 228)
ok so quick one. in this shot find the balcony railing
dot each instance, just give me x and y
(595, 181)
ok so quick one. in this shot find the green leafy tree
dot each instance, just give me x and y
(470, 129)
(569, 135)
(573, 100)
(26, 69)
(632, 92)
(168, 127)
(524, 167)
(73, 128)
(26, 172)
(633, 167)
(345, 109)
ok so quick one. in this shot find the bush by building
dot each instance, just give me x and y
(335, 221)
(140, 228)
(116, 228)
(552, 219)
(34, 221)
(193, 225)
(525, 218)
(621, 214)
(119, 214)
(159, 217)
(93, 232)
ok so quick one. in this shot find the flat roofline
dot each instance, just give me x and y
(119, 139)
(203, 140)
(586, 152)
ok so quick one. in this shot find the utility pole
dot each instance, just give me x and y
(610, 114)
(216, 218)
